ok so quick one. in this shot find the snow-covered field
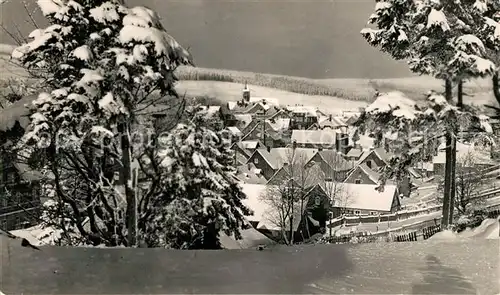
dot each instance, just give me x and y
(227, 91)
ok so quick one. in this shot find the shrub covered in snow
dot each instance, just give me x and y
(199, 195)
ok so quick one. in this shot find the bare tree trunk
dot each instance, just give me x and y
(460, 105)
(126, 180)
(496, 86)
(453, 165)
(460, 97)
(448, 165)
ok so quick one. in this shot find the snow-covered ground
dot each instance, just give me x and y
(489, 229)
(251, 238)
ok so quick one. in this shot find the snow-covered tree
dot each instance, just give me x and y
(470, 180)
(199, 195)
(102, 60)
(444, 39)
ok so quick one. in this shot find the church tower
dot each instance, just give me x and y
(246, 93)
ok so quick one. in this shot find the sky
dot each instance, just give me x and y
(307, 38)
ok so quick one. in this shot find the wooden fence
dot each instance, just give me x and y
(403, 234)
(406, 214)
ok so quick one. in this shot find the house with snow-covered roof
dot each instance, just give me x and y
(480, 159)
(362, 174)
(329, 122)
(303, 117)
(244, 149)
(248, 173)
(369, 166)
(265, 133)
(270, 160)
(20, 190)
(375, 158)
(366, 199)
(319, 139)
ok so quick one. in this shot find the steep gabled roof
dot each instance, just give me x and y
(373, 175)
(247, 173)
(367, 197)
(379, 152)
(270, 132)
(332, 122)
(332, 157)
(312, 175)
(356, 153)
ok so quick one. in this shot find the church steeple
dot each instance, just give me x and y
(246, 93)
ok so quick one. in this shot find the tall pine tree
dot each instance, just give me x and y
(437, 38)
(199, 196)
(101, 60)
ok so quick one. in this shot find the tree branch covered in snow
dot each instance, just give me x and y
(416, 128)
(198, 195)
(103, 62)
(454, 40)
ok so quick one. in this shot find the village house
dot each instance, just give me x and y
(333, 165)
(271, 160)
(371, 163)
(481, 160)
(248, 173)
(20, 191)
(365, 199)
(241, 154)
(264, 132)
(362, 174)
(303, 117)
(281, 114)
(254, 106)
(243, 121)
(328, 122)
(375, 158)
(266, 218)
(306, 176)
(354, 154)
(324, 139)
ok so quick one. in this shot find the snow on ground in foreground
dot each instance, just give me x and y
(37, 235)
(251, 238)
(444, 235)
(489, 229)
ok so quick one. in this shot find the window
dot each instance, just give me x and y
(10, 177)
(369, 164)
(373, 213)
(358, 181)
(4, 201)
(317, 201)
(256, 161)
(357, 212)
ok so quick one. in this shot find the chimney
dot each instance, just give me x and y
(249, 166)
(330, 117)
(269, 149)
(343, 142)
